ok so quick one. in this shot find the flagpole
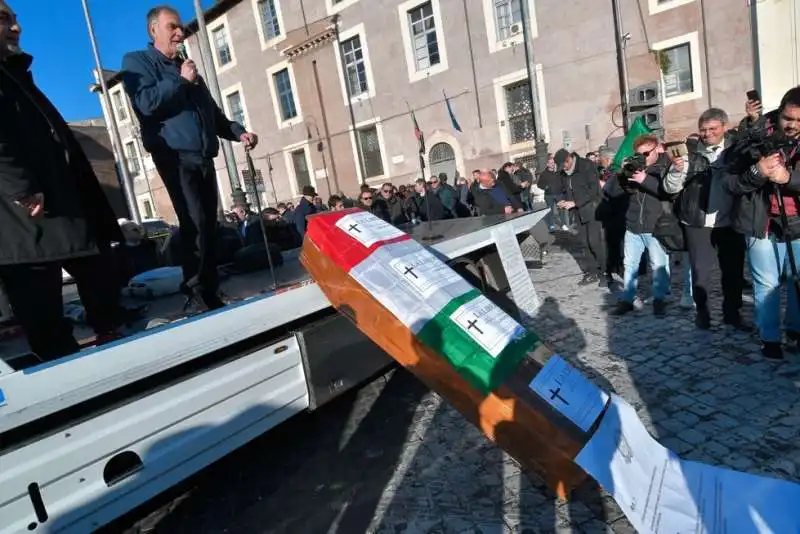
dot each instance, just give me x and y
(127, 183)
(428, 236)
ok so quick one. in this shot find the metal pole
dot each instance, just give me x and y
(327, 130)
(533, 87)
(622, 64)
(210, 76)
(343, 66)
(127, 183)
(472, 65)
(252, 168)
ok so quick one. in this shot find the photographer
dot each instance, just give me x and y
(763, 169)
(704, 209)
(639, 183)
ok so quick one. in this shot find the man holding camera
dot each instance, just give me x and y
(767, 190)
(639, 183)
(704, 209)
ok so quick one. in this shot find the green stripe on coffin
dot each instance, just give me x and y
(479, 339)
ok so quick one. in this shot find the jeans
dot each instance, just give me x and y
(768, 260)
(556, 217)
(687, 276)
(635, 247)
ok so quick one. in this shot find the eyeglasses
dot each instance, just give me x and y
(366, 198)
(647, 154)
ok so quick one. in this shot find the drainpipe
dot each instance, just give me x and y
(343, 67)
(622, 64)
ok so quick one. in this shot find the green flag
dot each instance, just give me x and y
(626, 149)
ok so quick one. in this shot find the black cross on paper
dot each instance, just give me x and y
(410, 270)
(473, 324)
(556, 395)
(354, 228)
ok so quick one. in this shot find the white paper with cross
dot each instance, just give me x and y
(367, 229)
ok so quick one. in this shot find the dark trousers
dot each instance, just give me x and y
(615, 237)
(34, 292)
(729, 248)
(592, 235)
(192, 186)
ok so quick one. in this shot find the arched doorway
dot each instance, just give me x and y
(442, 159)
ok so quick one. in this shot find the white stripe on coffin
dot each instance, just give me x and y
(410, 282)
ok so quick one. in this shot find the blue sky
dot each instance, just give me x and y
(54, 32)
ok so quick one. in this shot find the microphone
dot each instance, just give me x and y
(181, 52)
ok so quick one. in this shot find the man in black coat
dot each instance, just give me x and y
(304, 209)
(53, 212)
(582, 191)
(181, 124)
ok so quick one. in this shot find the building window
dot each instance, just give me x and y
(283, 88)
(676, 69)
(269, 19)
(131, 159)
(221, 45)
(424, 41)
(119, 106)
(370, 145)
(659, 6)
(519, 111)
(300, 166)
(235, 108)
(354, 65)
(507, 14)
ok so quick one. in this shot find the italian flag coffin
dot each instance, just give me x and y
(489, 367)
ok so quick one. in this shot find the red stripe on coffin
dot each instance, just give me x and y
(345, 250)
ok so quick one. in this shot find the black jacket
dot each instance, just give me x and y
(751, 209)
(390, 210)
(583, 188)
(303, 209)
(174, 113)
(506, 181)
(418, 206)
(691, 203)
(644, 201)
(551, 183)
(487, 205)
(39, 154)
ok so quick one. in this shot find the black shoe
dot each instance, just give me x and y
(622, 308)
(703, 320)
(213, 301)
(794, 337)
(772, 350)
(736, 322)
(659, 308)
(589, 279)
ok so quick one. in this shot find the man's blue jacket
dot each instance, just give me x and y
(174, 114)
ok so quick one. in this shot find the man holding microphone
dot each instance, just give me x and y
(180, 125)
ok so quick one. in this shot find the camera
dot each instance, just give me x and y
(632, 165)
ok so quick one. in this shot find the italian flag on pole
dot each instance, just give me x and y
(481, 341)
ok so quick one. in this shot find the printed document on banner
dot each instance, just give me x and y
(367, 229)
(569, 392)
(490, 327)
(660, 493)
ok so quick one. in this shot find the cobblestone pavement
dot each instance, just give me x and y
(395, 458)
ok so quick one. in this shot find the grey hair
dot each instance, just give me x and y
(713, 114)
(154, 13)
(607, 153)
